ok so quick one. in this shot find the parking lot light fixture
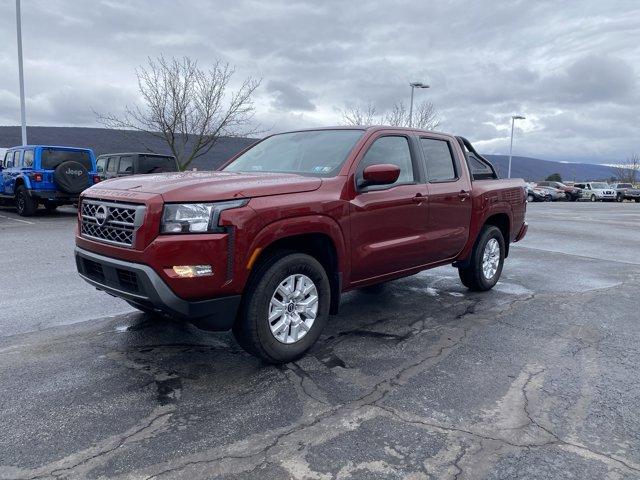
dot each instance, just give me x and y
(414, 85)
(513, 119)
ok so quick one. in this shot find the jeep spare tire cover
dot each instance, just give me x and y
(71, 177)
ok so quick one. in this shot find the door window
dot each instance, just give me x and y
(440, 164)
(16, 159)
(393, 150)
(28, 158)
(126, 165)
(112, 166)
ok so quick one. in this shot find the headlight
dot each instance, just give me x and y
(196, 217)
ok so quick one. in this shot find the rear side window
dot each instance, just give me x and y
(16, 158)
(394, 150)
(126, 165)
(440, 166)
(6, 159)
(112, 166)
(52, 157)
(28, 158)
(156, 164)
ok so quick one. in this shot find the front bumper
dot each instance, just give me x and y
(141, 285)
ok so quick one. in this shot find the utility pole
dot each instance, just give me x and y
(414, 85)
(513, 119)
(23, 118)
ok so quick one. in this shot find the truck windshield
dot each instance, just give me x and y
(156, 164)
(52, 157)
(599, 186)
(317, 152)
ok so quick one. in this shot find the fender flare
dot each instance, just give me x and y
(499, 208)
(21, 179)
(303, 225)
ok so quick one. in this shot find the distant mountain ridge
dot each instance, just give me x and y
(103, 140)
(534, 169)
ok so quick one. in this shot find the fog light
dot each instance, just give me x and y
(193, 270)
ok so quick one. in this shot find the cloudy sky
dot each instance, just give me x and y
(570, 67)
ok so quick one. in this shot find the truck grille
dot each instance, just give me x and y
(111, 222)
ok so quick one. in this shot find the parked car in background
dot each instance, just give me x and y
(266, 245)
(45, 175)
(555, 193)
(112, 165)
(571, 193)
(536, 194)
(597, 191)
(626, 191)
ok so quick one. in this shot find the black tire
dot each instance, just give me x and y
(637, 200)
(472, 276)
(593, 198)
(25, 205)
(620, 198)
(530, 198)
(252, 329)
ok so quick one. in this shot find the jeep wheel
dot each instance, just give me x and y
(487, 258)
(285, 307)
(25, 205)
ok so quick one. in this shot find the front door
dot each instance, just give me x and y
(449, 197)
(388, 222)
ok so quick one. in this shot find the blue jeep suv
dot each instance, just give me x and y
(40, 174)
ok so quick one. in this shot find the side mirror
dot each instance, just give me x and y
(381, 174)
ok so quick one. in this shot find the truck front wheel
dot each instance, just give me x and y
(25, 205)
(487, 258)
(285, 307)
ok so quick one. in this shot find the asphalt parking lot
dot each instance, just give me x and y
(419, 379)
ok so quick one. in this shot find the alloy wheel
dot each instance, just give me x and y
(490, 258)
(293, 308)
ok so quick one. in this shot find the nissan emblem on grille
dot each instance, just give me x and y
(111, 222)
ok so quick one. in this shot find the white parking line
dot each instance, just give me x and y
(17, 220)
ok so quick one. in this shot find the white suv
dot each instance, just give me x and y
(597, 191)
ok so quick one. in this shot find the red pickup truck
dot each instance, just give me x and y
(266, 244)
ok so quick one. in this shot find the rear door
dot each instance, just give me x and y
(112, 167)
(449, 197)
(388, 222)
(125, 167)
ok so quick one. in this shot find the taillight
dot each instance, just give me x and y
(96, 178)
(36, 177)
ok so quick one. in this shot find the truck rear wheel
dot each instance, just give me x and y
(25, 205)
(487, 258)
(285, 307)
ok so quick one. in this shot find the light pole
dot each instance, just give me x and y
(513, 119)
(414, 85)
(23, 119)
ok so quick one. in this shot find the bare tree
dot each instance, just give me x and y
(188, 107)
(628, 171)
(354, 115)
(425, 116)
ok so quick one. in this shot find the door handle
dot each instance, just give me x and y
(463, 195)
(419, 198)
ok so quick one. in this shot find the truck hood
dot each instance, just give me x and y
(211, 186)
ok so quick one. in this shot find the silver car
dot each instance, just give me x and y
(597, 191)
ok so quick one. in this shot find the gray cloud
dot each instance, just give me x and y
(289, 97)
(570, 67)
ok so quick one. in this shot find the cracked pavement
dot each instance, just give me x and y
(416, 379)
